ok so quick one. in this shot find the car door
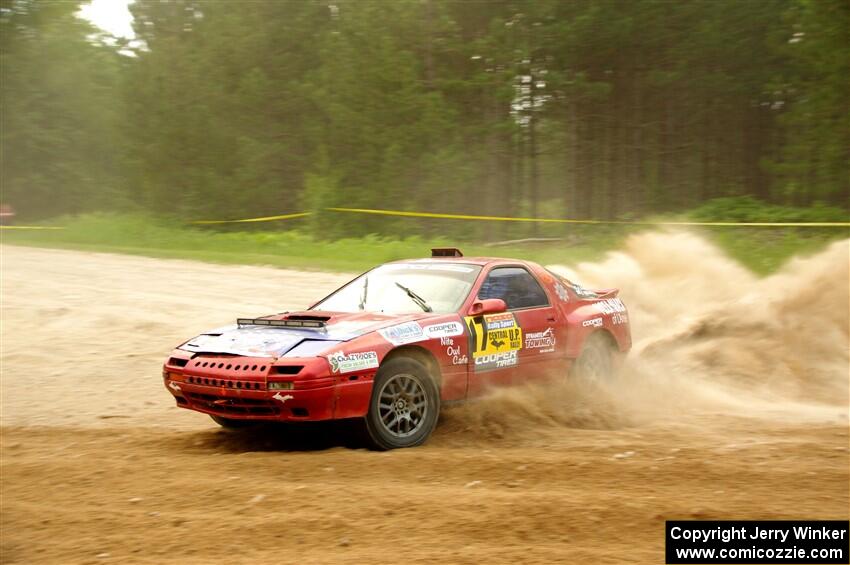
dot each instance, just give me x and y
(519, 344)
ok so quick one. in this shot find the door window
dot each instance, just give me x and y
(515, 286)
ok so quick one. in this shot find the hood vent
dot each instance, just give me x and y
(178, 362)
(286, 369)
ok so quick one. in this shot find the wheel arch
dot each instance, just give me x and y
(601, 333)
(605, 333)
(418, 354)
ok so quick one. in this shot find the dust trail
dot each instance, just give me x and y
(709, 336)
(701, 316)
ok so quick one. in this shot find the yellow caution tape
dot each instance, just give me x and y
(264, 219)
(31, 228)
(405, 214)
(563, 221)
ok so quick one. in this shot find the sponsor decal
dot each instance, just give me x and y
(283, 398)
(454, 353)
(561, 292)
(492, 336)
(252, 342)
(409, 332)
(173, 386)
(610, 306)
(594, 323)
(500, 321)
(620, 318)
(544, 340)
(493, 361)
(342, 363)
(447, 329)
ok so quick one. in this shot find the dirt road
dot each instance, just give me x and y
(726, 410)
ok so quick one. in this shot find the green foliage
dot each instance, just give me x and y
(59, 129)
(812, 163)
(145, 235)
(584, 109)
(749, 209)
(762, 250)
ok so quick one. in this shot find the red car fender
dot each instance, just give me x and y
(584, 316)
(445, 351)
(607, 315)
(353, 366)
(440, 343)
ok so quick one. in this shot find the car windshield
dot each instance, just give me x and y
(400, 288)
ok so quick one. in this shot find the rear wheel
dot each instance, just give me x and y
(231, 424)
(404, 406)
(595, 364)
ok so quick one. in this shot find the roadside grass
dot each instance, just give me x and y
(765, 251)
(762, 250)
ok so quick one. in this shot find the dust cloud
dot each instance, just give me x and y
(709, 337)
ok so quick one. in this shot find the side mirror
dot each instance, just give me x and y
(488, 306)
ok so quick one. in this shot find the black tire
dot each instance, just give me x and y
(404, 407)
(230, 424)
(595, 364)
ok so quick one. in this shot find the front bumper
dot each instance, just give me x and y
(238, 388)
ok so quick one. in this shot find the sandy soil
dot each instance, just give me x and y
(98, 466)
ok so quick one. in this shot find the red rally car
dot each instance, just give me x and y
(388, 347)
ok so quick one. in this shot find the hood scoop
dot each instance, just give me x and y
(308, 317)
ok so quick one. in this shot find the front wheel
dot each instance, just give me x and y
(595, 364)
(404, 406)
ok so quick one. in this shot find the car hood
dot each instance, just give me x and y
(275, 341)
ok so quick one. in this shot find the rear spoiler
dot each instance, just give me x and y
(280, 323)
(607, 292)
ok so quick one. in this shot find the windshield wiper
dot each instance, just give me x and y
(416, 298)
(363, 295)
